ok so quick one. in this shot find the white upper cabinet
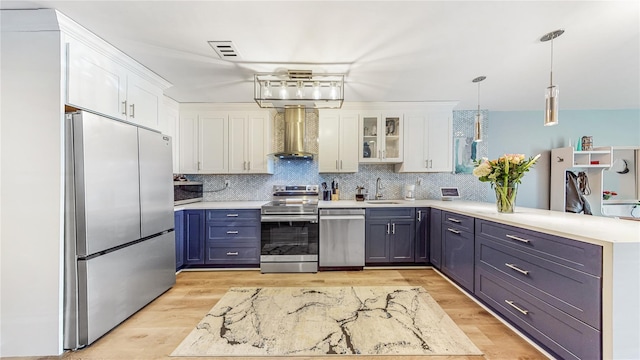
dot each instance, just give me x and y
(94, 82)
(428, 140)
(338, 142)
(381, 137)
(225, 142)
(143, 102)
(249, 142)
(105, 81)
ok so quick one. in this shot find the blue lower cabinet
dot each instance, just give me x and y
(435, 238)
(178, 218)
(562, 334)
(194, 222)
(390, 235)
(233, 237)
(458, 255)
(422, 236)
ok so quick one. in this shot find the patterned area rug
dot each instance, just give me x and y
(291, 321)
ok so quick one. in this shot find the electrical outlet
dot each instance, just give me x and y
(419, 181)
(227, 183)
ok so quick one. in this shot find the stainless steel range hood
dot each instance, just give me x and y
(294, 134)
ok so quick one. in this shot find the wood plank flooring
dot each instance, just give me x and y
(155, 331)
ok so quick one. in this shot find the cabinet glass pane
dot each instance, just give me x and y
(392, 138)
(370, 136)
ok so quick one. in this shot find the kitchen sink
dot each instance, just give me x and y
(383, 202)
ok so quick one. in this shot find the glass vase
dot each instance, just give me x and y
(506, 197)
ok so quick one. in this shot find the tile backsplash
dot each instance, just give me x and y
(295, 171)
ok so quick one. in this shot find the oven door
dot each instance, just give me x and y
(289, 238)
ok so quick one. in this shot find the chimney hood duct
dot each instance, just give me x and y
(294, 133)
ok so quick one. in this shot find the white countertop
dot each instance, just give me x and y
(592, 229)
(221, 205)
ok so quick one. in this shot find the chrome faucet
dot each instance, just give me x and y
(378, 188)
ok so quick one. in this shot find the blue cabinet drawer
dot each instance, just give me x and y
(387, 213)
(564, 335)
(232, 254)
(574, 292)
(227, 215)
(221, 233)
(574, 254)
(460, 222)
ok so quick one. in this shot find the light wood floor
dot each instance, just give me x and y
(155, 331)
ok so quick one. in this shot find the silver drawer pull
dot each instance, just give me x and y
(517, 238)
(511, 266)
(232, 215)
(453, 231)
(388, 227)
(232, 232)
(453, 220)
(513, 305)
(232, 253)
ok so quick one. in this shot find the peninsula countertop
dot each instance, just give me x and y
(592, 229)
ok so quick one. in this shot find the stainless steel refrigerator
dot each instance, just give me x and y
(119, 239)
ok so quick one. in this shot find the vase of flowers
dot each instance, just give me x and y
(504, 174)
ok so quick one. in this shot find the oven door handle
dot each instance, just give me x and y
(290, 218)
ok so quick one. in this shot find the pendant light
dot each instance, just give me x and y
(551, 94)
(477, 132)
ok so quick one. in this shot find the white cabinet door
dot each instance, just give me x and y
(328, 141)
(349, 146)
(382, 134)
(427, 142)
(237, 142)
(338, 142)
(439, 141)
(258, 143)
(213, 143)
(143, 102)
(188, 144)
(94, 82)
(416, 158)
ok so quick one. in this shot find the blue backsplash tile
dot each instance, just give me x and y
(290, 172)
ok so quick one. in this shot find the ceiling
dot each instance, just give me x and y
(389, 50)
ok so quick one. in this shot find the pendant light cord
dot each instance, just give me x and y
(551, 79)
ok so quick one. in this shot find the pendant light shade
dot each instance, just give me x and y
(477, 125)
(551, 93)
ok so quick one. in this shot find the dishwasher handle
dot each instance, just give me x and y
(341, 212)
(341, 217)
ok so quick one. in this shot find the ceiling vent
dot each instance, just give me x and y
(300, 74)
(226, 50)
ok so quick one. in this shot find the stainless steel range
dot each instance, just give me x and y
(289, 230)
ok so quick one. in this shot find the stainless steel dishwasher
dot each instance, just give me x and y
(341, 238)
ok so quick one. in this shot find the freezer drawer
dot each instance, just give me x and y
(113, 286)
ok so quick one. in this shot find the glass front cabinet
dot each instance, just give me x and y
(381, 138)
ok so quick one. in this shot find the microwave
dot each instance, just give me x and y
(185, 192)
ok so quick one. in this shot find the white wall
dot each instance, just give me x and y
(31, 180)
(523, 132)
